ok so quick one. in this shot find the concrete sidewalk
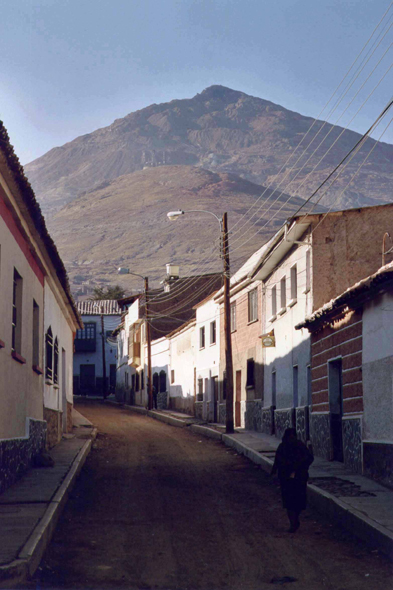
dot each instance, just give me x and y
(356, 503)
(30, 509)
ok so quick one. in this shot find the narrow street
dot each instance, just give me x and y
(161, 507)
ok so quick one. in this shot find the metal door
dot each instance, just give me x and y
(87, 379)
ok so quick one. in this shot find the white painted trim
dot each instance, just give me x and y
(354, 383)
(344, 357)
(352, 416)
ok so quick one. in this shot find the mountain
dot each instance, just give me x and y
(220, 130)
(124, 223)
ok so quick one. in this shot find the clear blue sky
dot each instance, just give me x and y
(69, 67)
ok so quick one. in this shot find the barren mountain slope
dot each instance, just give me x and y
(124, 223)
(221, 130)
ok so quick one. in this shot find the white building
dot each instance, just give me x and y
(181, 370)
(35, 377)
(100, 318)
(207, 358)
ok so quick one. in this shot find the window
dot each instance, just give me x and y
(253, 305)
(213, 332)
(56, 362)
(162, 381)
(250, 373)
(36, 335)
(49, 355)
(308, 271)
(202, 337)
(295, 378)
(274, 388)
(283, 294)
(233, 317)
(172, 375)
(85, 340)
(17, 313)
(274, 301)
(294, 284)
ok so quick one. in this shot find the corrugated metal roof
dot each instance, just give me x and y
(102, 306)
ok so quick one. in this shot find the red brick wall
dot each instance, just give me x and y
(344, 339)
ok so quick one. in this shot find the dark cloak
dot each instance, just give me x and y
(292, 456)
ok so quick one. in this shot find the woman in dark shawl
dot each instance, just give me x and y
(292, 462)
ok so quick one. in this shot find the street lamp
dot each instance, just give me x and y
(224, 251)
(126, 271)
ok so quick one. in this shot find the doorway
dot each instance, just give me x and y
(238, 399)
(87, 379)
(336, 407)
(214, 397)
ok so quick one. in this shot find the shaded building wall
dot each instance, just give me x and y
(347, 247)
(341, 340)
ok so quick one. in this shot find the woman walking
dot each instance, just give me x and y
(292, 462)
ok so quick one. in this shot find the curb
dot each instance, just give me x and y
(31, 553)
(168, 419)
(206, 431)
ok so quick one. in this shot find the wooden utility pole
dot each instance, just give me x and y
(148, 339)
(103, 355)
(227, 328)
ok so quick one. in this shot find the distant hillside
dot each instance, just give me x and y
(124, 223)
(221, 130)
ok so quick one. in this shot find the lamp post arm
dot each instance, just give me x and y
(204, 211)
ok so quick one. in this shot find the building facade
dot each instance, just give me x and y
(93, 348)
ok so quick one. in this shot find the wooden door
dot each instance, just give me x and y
(238, 398)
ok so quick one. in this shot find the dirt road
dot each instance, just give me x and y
(160, 507)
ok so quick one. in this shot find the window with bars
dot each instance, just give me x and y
(49, 354)
(56, 362)
(233, 316)
(213, 332)
(252, 305)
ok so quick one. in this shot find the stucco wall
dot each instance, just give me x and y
(378, 369)
(292, 346)
(21, 389)
(56, 395)
(182, 362)
(208, 359)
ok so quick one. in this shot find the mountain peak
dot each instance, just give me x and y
(216, 91)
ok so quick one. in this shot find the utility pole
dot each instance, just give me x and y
(103, 355)
(148, 339)
(227, 328)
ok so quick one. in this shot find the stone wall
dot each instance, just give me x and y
(378, 462)
(284, 419)
(17, 454)
(302, 423)
(180, 404)
(253, 415)
(320, 435)
(53, 420)
(222, 413)
(69, 417)
(352, 444)
(199, 410)
(268, 425)
(162, 400)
